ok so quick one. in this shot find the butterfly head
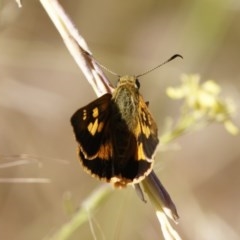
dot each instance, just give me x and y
(129, 80)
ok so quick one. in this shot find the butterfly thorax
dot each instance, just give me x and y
(126, 98)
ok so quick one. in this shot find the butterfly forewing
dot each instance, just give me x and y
(88, 125)
(148, 135)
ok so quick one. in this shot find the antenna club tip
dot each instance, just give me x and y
(175, 56)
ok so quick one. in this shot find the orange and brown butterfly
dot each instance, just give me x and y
(117, 134)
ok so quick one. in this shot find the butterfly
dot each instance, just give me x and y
(117, 135)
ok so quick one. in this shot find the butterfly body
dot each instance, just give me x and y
(126, 97)
(117, 135)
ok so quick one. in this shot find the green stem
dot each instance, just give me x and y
(82, 215)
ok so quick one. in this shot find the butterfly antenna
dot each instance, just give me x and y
(169, 60)
(107, 69)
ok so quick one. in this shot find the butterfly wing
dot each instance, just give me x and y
(146, 139)
(93, 126)
(146, 133)
(89, 123)
(134, 148)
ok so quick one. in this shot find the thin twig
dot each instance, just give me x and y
(77, 47)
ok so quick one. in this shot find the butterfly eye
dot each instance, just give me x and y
(137, 83)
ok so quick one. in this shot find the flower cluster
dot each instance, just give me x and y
(202, 101)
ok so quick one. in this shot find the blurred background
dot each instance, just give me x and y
(41, 87)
